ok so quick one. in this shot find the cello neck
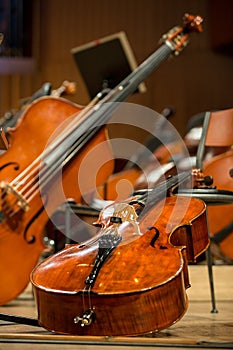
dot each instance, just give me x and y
(95, 118)
(167, 187)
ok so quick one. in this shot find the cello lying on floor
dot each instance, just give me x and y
(129, 279)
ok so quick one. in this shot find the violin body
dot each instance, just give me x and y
(141, 287)
(21, 235)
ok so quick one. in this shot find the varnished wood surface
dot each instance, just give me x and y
(139, 288)
(198, 74)
(199, 328)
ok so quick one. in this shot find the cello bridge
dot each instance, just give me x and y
(10, 194)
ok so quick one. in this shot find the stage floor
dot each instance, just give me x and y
(199, 328)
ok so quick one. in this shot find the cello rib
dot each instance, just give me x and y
(126, 301)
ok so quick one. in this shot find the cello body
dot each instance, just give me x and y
(140, 287)
(21, 235)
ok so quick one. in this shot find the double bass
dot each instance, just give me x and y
(130, 278)
(36, 176)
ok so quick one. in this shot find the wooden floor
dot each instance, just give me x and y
(199, 328)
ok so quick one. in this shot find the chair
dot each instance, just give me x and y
(216, 137)
(215, 147)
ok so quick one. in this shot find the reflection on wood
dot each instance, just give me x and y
(198, 326)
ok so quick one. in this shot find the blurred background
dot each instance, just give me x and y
(39, 36)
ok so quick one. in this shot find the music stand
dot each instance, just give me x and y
(105, 62)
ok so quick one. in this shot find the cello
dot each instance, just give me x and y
(36, 176)
(129, 279)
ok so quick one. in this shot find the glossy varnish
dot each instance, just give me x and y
(199, 328)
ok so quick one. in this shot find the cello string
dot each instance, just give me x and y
(149, 64)
(26, 174)
(161, 55)
(29, 172)
(111, 96)
(89, 120)
(47, 174)
(89, 298)
(34, 189)
(53, 144)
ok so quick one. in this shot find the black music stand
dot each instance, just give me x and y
(105, 62)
